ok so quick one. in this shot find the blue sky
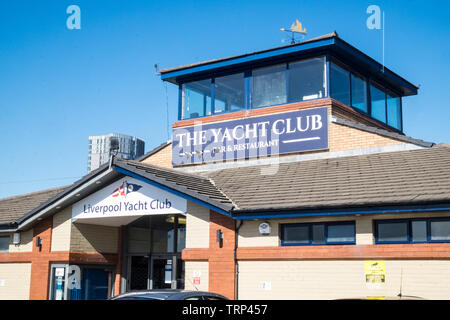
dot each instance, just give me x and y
(58, 86)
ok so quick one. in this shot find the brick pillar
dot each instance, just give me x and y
(117, 280)
(40, 265)
(221, 258)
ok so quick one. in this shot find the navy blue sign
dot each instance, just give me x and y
(297, 131)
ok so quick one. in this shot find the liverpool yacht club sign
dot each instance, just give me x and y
(298, 131)
(128, 197)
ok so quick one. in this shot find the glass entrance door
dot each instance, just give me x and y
(58, 281)
(162, 273)
(139, 273)
(153, 252)
(96, 283)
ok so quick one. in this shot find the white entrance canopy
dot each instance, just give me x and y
(124, 201)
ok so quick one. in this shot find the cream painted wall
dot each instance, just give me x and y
(197, 226)
(196, 267)
(341, 279)
(62, 224)
(15, 281)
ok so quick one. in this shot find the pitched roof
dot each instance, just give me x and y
(12, 208)
(390, 178)
(196, 186)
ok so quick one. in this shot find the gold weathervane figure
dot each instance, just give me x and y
(296, 27)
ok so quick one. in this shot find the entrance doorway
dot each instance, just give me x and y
(161, 273)
(139, 273)
(154, 245)
(157, 272)
(81, 282)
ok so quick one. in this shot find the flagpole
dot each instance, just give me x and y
(383, 41)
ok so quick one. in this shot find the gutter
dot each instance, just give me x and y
(8, 227)
(265, 213)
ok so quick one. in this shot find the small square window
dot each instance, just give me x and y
(306, 80)
(340, 84)
(296, 234)
(318, 234)
(419, 231)
(4, 244)
(394, 116)
(395, 231)
(341, 233)
(359, 93)
(378, 97)
(440, 230)
(269, 86)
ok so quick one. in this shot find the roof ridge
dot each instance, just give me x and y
(223, 193)
(34, 193)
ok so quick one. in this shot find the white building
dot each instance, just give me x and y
(99, 148)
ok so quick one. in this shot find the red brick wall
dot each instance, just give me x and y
(347, 252)
(117, 280)
(417, 251)
(40, 265)
(221, 257)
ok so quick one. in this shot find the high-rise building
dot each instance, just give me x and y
(100, 148)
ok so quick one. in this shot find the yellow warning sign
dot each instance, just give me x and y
(375, 271)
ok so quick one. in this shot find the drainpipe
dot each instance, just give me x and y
(236, 266)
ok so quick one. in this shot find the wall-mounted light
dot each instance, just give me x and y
(171, 219)
(16, 239)
(38, 242)
(219, 237)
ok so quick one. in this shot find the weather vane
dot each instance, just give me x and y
(296, 27)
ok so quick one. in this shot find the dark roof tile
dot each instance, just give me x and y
(12, 208)
(376, 179)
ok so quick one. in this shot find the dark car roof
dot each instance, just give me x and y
(169, 294)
